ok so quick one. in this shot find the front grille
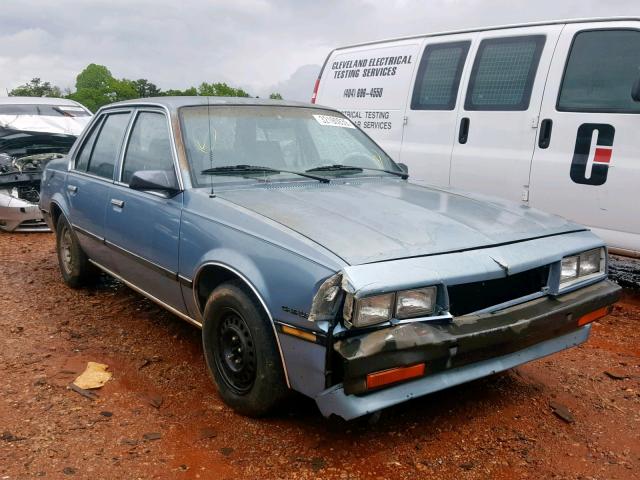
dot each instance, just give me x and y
(471, 297)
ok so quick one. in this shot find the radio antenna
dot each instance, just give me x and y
(211, 194)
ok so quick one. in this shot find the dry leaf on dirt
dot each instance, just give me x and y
(94, 376)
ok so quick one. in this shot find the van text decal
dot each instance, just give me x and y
(369, 67)
(601, 154)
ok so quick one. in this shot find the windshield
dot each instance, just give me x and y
(277, 138)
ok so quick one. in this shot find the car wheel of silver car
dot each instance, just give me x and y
(74, 263)
(240, 351)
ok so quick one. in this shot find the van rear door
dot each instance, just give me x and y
(369, 85)
(432, 108)
(585, 165)
(497, 122)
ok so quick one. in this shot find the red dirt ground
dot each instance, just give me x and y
(160, 415)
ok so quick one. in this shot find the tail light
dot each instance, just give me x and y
(315, 91)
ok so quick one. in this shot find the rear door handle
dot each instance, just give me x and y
(117, 203)
(545, 133)
(72, 188)
(463, 134)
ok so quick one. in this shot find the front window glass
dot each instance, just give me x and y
(602, 68)
(280, 138)
(149, 146)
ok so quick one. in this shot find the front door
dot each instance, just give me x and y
(585, 165)
(497, 122)
(428, 136)
(142, 228)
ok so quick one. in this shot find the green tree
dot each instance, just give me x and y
(220, 90)
(275, 96)
(146, 89)
(96, 86)
(36, 88)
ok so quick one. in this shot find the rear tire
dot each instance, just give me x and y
(241, 352)
(74, 264)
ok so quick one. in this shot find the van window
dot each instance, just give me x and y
(503, 73)
(438, 76)
(602, 68)
(107, 146)
(149, 146)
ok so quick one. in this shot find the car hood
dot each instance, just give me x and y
(371, 221)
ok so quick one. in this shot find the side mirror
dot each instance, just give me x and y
(635, 90)
(162, 181)
(404, 167)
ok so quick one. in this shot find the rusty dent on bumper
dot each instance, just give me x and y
(469, 347)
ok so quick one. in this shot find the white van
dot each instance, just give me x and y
(546, 114)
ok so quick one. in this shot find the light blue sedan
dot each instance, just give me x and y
(309, 260)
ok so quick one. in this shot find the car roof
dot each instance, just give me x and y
(37, 101)
(483, 29)
(174, 103)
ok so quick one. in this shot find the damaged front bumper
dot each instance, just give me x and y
(20, 215)
(467, 348)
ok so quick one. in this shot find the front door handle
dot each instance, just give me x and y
(117, 203)
(72, 188)
(545, 133)
(463, 135)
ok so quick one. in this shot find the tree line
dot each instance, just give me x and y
(96, 86)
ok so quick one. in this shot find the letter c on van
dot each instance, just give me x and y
(601, 154)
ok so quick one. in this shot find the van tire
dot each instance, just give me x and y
(74, 264)
(241, 352)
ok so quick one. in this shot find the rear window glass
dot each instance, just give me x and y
(82, 160)
(44, 110)
(503, 73)
(107, 146)
(439, 76)
(600, 73)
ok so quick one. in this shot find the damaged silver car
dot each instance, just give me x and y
(33, 131)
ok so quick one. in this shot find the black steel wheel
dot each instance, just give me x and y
(236, 354)
(241, 351)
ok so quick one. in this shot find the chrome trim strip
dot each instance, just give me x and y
(148, 295)
(147, 263)
(87, 233)
(187, 282)
(256, 293)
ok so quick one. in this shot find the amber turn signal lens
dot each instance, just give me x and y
(595, 315)
(394, 375)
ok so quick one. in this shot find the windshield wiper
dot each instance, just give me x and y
(338, 168)
(244, 169)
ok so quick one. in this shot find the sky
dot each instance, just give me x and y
(262, 46)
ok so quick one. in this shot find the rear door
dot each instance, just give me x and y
(586, 165)
(498, 120)
(369, 85)
(89, 181)
(142, 228)
(432, 108)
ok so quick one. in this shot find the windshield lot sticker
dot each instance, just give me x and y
(331, 121)
(600, 154)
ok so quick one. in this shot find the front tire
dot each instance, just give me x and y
(74, 264)
(240, 351)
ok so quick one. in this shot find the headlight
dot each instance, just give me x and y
(370, 310)
(582, 265)
(569, 269)
(591, 262)
(415, 303)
